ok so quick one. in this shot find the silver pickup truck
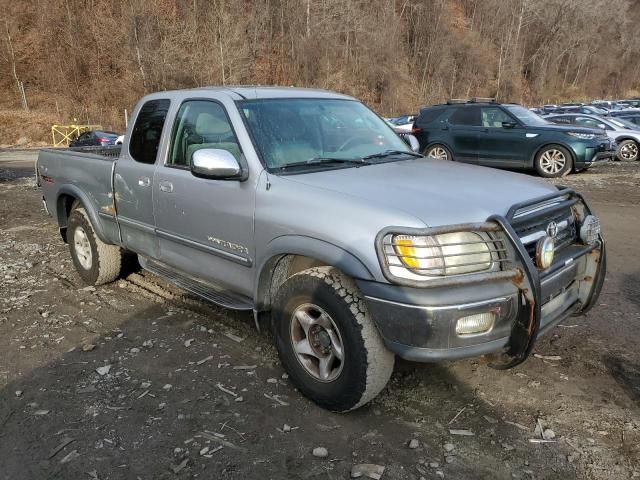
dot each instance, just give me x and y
(305, 207)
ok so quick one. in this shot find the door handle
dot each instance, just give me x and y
(144, 181)
(166, 187)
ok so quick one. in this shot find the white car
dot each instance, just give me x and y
(403, 124)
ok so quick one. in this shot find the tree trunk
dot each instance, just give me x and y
(139, 56)
(19, 84)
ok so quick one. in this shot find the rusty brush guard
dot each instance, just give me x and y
(526, 327)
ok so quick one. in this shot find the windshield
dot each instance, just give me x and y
(621, 123)
(293, 130)
(598, 110)
(527, 117)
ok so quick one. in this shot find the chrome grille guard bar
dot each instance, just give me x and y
(527, 325)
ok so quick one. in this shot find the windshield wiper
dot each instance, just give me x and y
(323, 161)
(390, 153)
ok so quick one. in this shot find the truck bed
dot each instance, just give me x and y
(85, 173)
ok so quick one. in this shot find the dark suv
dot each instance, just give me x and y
(508, 135)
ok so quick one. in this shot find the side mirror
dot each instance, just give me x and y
(411, 140)
(214, 163)
(602, 126)
(509, 125)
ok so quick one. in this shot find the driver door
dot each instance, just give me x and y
(498, 145)
(205, 226)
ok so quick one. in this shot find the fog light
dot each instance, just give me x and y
(545, 251)
(478, 323)
(590, 230)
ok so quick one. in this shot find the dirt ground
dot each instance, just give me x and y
(136, 380)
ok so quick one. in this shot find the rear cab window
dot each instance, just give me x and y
(146, 133)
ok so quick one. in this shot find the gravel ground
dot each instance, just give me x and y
(138, 380)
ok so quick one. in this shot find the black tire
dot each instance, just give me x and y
(547, 161)
(627, 151)
(367, 364)
(104, 263)
(432, 152)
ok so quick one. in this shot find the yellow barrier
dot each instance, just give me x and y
(63, 134)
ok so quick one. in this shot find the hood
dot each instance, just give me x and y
(436, 192)
(628, 131)
(557, 127)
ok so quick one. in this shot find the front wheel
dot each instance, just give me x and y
(327, 341)
(438, 152)
(553, 161)
(627, 151)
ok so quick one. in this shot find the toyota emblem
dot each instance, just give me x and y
(552, 229)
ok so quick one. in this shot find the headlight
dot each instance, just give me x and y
(438, 255)
(583, 136)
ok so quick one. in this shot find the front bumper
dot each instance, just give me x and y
(419, 324)
(595, 154)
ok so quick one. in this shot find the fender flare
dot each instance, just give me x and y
(622, 138)
(320, 250)
(84, 200)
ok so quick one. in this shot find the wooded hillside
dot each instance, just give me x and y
(91, 59)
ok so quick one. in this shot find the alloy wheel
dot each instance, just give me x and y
(553, 161)
(317, 342)
(82, 248)
(629, 151)
(438, 153)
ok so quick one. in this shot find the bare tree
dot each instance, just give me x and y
(394, 54)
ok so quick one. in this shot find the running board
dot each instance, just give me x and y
(211, 293)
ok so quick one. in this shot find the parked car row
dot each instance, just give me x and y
(483, 132)
(597, 107)
(620, 119)
(625, 134)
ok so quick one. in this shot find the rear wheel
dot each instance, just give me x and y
(627, 151)
(553, 161)
(438, 152)
(327, 340)
(96, 262)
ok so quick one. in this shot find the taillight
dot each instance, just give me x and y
(103, 140)
(415, 130)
